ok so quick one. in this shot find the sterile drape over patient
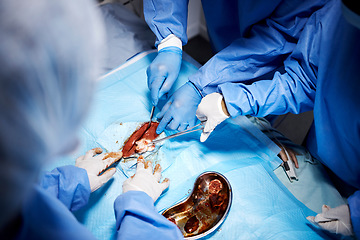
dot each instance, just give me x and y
(261, 205)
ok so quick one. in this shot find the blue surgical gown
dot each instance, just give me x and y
(322, 73)
(46, 214)
(252, 37)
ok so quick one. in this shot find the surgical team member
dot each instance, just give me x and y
(321, 74)
(251, 38)
(49, 55)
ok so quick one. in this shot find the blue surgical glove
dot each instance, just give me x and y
(163, 72)
(179, 112)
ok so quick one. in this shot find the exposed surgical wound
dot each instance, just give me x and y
(143, 146)
(116, 155)
(139, 141)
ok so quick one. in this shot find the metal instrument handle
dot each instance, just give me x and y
(190, 130)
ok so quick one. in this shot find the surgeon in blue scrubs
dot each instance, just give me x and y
(251, 38)
(50, 54)
(322, 73)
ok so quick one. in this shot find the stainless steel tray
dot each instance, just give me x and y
(205, 209)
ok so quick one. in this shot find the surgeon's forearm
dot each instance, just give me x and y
(166, 17)
(277, 96)
(69, 184)
(292, 91)
(137, 218)
(263, 51)
(243, 61)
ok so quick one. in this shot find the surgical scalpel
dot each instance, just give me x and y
(195, 128)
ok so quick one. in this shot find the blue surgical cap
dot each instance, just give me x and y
(50, 54)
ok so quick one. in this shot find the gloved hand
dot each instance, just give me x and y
(144, 180)
(163, 72)
(335, 220)
(94, 162)
(179, 112)
(292, 153)
(211, 109)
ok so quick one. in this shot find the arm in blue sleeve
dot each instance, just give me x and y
(166, 17)
(137, 218)
(285, 93)
(292, 91)
(354, 205)
(264, 50)
(69, 184)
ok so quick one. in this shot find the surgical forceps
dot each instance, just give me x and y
(195, 128)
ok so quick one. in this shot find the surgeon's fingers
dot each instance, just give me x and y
(293, 157)
(164, 110)
(157, 172)
(155, 73)
(204, 136)
(99, 157)
(93, 152)
(154, 76)
(165, 184)
(164, 122)
(284, 158)
(148, 166)
(97, 150)
(140, 163)
(194, 121)
(282, 155)
(183, 127)
(80, 159)
(325, 208)
(167, 84)
(322, 218)
(173, 125)
(111, 158)
(311, 219)
(292, 154)
(201, 116)
(333, 226)
(154, 87)
(330, 225)
(113, 155)
(209, 126)
(103, 178)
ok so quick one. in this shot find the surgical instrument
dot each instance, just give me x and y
(288, 166)
(151, 116)
(197, 127)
